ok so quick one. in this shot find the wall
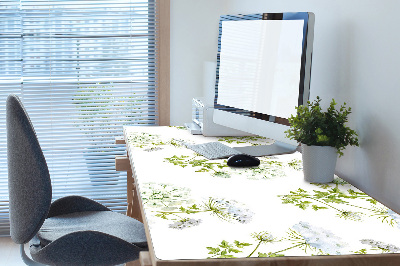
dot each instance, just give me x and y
(194, 41)
(355, 60)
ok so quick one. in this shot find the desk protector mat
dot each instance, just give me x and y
(198, 208)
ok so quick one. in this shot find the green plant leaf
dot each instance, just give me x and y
(312, 126)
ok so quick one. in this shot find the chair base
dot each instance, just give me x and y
(26, 259)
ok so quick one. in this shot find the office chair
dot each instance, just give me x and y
(70, 231)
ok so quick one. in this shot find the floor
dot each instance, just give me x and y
(10, 256)
(9, 253)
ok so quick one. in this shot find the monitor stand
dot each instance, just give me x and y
(275, 148)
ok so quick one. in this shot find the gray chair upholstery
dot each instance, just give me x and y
(70, 231)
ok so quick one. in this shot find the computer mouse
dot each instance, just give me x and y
(243, 160)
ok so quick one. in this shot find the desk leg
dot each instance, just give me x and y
(133, 210)
(132, 197)
(144, 260)
(129, 193)
(133, 263)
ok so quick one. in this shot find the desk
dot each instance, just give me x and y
(196, 210)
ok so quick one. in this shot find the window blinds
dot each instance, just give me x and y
(83, 69)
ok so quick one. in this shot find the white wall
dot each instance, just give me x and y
(194, 41)
(356, 60)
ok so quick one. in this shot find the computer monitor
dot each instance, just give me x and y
(263, 73)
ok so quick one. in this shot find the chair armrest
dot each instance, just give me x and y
(72, 204)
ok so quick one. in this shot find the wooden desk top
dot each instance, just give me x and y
(200, 209)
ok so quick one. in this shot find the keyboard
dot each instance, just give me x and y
(213, 150)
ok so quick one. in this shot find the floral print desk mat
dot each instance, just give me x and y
(198, 208)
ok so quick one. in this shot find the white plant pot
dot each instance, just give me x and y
(319, 163)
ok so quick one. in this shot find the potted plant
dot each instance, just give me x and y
(323, 135)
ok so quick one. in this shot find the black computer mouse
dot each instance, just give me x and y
(243, 160)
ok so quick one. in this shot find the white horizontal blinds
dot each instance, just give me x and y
(10, 82)
(88, 68)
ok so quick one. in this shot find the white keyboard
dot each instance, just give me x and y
(213, 150)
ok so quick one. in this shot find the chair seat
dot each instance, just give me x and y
(108, 222)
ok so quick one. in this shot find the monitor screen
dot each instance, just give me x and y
(263, 71)
(260, 65)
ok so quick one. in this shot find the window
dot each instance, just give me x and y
(83, 69)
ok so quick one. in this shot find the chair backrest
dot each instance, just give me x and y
(29, 183)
